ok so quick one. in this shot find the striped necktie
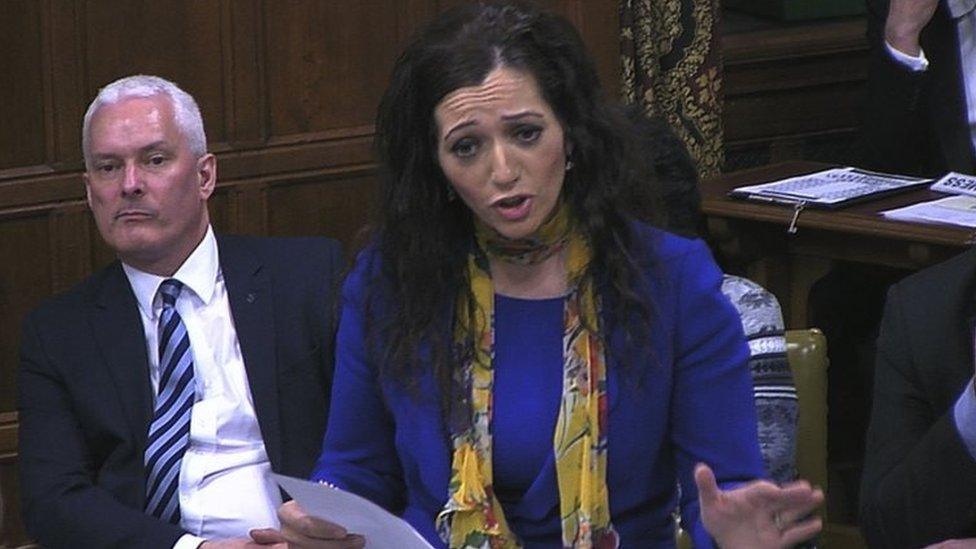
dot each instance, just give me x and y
(169, 432)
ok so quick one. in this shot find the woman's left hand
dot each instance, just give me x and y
(759, 514)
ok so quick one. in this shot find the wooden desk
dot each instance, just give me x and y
(753, 236)
(752, 239)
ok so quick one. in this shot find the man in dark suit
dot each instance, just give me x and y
(919, 483)
(157, 396)
(917, 118)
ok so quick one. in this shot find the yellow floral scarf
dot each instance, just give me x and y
(472, 516)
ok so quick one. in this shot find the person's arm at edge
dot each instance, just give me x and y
(917, 469)
(893, 117)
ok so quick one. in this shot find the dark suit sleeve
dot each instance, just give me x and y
(331, 287)
(305, 406)
(893, 129)
(919, 478)
(62, 506)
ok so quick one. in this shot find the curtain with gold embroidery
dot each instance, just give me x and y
(672, 68)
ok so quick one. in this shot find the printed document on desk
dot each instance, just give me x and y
(356, 514)
(956, 183)
(951, 210)
(829, 188)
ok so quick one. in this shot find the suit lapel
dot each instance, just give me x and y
(249, 293)
(118, 331)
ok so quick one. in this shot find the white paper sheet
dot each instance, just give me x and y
(357, 515)
(952, 210)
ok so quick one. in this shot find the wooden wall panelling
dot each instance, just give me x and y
(336, 204)
(70, 226)
(599, 22)
(786, 89)
(247, 209)
(411, 15)
(25, 243)
(245, 105)
(776, 113)
(327, 64)
(101, 254)
(180, 41)
(329, 150)
(31, 189)
(65, 92)
(12, 532)
(48, 250)
(448, 4)
(222, 215)
(22, 128)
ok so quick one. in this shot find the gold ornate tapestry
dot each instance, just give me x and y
(672, 68)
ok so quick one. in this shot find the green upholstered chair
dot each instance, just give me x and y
(807, 353)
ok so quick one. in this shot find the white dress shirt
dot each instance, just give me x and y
(964, 14)
(225, 485)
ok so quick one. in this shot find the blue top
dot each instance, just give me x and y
(528, 380)
(693, 403)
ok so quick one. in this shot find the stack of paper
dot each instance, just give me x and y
(953, 210)
(829, 188)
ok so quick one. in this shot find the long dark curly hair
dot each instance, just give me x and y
(423, 237)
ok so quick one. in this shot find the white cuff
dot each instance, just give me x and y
(915, 64)
(189, 541)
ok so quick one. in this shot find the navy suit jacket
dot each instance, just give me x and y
(917, 122)
(919, 478)
(693, 403)
(85, 395)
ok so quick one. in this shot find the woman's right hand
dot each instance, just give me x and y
(301, 530)
(757, 514)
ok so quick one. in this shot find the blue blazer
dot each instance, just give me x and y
(693, 404)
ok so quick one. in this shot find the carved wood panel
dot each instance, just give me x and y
(25, 243)
(22, 131)
(180, 41)
(327, 63)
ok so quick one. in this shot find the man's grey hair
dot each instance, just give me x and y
(185, 109)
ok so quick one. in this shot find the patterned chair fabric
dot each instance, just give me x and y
(777, 407)
(775, 393)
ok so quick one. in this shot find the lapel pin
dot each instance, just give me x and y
(250, 298)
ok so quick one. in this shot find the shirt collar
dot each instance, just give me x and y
(198, 273)
(960, 8)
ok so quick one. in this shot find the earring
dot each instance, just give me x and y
(569, 164)
(451, 195)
